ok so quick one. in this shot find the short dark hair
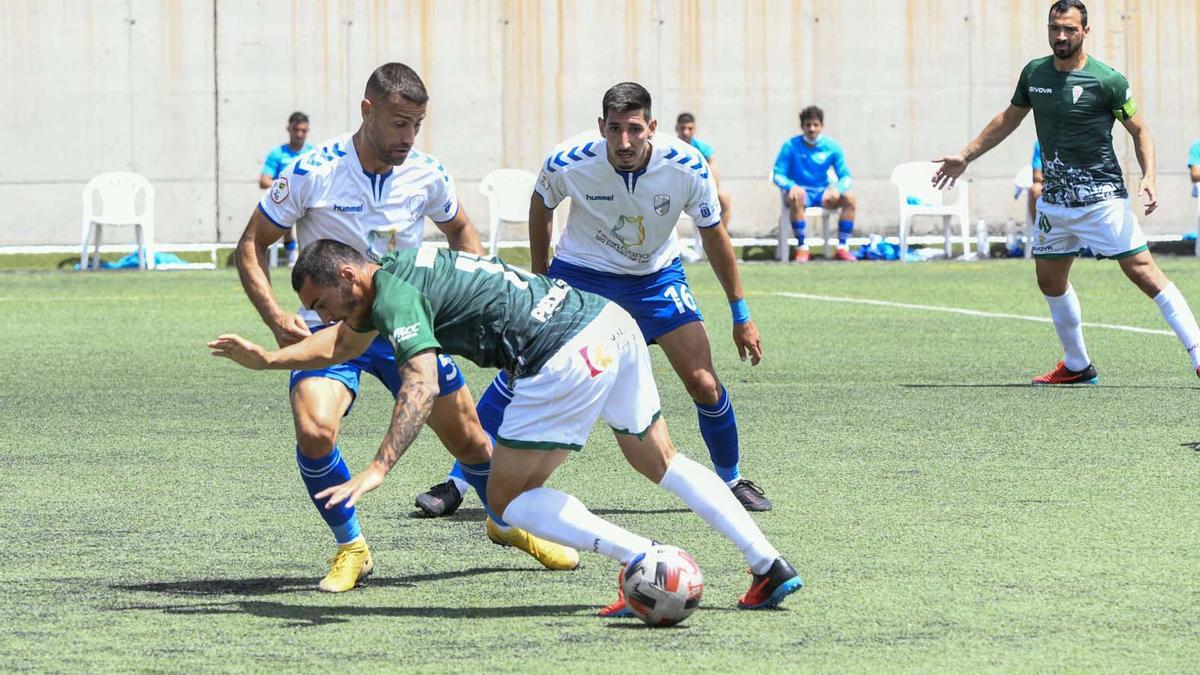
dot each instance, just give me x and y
(1064, 6)
(625, 97)
(812, 112)
(396, 79)
(297, 118)
(320, 260)
(685, 118)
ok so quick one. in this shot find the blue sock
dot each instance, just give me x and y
(845, 227)
(798, 228)
(322, 473)
(477, 476)
(718, 426)
(290, 245)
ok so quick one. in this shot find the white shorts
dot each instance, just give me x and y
(604, 371)
(1108, 228)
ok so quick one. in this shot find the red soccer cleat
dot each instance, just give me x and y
(1064, 375)
(801, 255)
(618, 609)
(844, 254)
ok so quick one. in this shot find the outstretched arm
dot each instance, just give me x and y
(1143, 147)
(997, 130)
(251, 260)
(414, 400)
(319, 350)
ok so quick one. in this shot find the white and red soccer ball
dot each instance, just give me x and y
(663, 585)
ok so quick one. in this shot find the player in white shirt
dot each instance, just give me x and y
(627, 189)
(372, 190)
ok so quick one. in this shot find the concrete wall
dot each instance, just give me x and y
(193, 93)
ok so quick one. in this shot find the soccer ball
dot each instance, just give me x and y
(663, 585)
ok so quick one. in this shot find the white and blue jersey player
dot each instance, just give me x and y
(371, 190)
(627, 189)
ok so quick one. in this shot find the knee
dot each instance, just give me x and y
(703, 387)
(1052, 287)
(315, 437)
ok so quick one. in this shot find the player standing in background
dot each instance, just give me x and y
(1075, 98)
(574, 357)
(278, 159)
(802, 173)
(371, 190)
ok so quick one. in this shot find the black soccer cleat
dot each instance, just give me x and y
(768, 590)
(441, 500)
(751, 496)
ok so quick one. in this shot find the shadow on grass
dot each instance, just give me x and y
(1086, 387)
(273, 585)
(470, 515)
(318, 615)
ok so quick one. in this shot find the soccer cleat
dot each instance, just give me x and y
(619, 609)
(1063, 375)
(351, 564)
(801, 255)
(442, 499)
(751, 496)
(768, 590)
(844, 254)
(552, 556)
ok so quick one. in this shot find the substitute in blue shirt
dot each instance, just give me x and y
(685, 130)
(802, 174)
(1035, 190)
(279, 159)
(1194, 166)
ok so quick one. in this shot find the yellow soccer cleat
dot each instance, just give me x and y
(553, 556)
(351, 564)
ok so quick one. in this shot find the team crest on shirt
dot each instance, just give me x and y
(279, 191)
(662, 204)
(630, 231)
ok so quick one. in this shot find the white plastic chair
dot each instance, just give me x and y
(912, 179)
(118, 192)
(825, 216)
(507, 192)
(1022, 182)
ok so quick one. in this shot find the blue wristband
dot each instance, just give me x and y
(741, 311)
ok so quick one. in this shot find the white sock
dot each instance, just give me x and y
(463, 486)
(561, 518)
(1064, 311)
(709, 498)
(1179, 316)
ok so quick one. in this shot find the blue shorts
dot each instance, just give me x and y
(379, 360)
(660, 302)
(814, 195)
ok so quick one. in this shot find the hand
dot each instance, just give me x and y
(797, 195)
(745, 336)
(290, 330)
(369, 479)
(239, 350)
(1148, 190)
(953, 166)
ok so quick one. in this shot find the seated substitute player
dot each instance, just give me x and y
(574, 356)
(373, 191)
(802, 174)
(1194, 167)
(619, 242)
(1039, 177)
(1075, 99)
(685, 130)
(278, 159)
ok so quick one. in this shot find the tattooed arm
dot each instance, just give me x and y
(414, 400)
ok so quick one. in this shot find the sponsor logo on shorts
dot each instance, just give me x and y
(1044, 223)
(279, 191)
(596, 358)
(662, 204)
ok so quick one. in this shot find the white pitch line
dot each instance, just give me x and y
(965, 312)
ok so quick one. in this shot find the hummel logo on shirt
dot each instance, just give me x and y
(600, 198)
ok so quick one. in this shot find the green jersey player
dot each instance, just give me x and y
(1075, 99)
(572, 356)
